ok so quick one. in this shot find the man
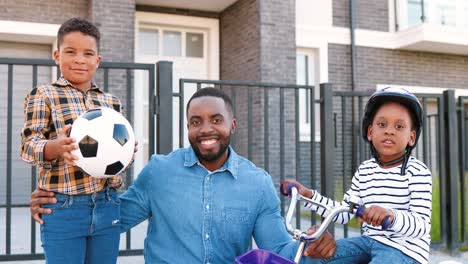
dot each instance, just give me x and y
(204, 203)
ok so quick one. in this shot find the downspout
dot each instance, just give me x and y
(354, 119)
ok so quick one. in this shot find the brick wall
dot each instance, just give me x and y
(372, 15)
(240, 41)
(258, 44)
(43, 11)
(377, 66)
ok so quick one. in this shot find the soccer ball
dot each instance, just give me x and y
(105, 142)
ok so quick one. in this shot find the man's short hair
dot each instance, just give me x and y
(78, 24)
(210, 91)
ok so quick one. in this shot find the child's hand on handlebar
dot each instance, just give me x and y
(375, 215)
(301, 189)
(324, 247)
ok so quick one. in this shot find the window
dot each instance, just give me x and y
(172, 43)
(194, 45)
(306, 61)
(148, 42)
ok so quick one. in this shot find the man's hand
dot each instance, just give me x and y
(302, 190)
(375, 215)
(324, 247)
(38, 198)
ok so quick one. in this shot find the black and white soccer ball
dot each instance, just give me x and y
(105, 141)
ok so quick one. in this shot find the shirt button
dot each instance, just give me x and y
(207, 236)
(207, 207)
(208, 178)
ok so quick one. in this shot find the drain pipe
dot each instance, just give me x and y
(356, 128)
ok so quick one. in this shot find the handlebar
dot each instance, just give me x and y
(354, 207)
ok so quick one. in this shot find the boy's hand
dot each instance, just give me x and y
(375, 215)
(302, 190)
(38, 198)
(61, 147)
(324, 247)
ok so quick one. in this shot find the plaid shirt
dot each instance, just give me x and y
(48, 108)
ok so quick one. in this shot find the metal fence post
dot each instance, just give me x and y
(164, 107)
(451, 170)
(327, 145)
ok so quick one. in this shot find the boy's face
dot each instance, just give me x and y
(391, 131)
(78, 59)
(210, 125)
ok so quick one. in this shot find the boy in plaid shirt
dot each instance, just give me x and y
(84, 224)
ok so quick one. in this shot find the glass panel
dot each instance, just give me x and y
(414, 12)
(148, 42)
(172, 41)
(301, 69)
(194, 45)
(465, 23)
(445, 15)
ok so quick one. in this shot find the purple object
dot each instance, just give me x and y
(260, 256)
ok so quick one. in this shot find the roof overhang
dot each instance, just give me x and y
(201, 5)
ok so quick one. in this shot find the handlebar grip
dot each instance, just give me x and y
(288, 189)
(360, 211)
(385, 223)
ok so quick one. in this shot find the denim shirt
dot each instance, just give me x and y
(198, 216)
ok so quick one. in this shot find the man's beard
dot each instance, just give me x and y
(211, 156)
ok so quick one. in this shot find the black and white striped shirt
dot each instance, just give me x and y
(408, 196)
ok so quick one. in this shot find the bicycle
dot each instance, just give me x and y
(259, 256)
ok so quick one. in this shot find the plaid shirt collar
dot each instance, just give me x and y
(64, 82)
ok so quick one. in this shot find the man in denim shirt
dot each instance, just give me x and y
(204, 203)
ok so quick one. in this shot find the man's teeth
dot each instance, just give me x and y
(208, 142)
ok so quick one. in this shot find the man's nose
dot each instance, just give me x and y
(206, 127)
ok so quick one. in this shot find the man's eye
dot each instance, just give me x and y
(217, 121)
(195, 123)
(381, 124)
(399, 126)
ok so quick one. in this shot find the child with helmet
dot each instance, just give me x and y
(391, 184)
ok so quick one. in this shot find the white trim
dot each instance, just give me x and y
(423, 37)
(168, 20)
(425, 90)
(28, 32)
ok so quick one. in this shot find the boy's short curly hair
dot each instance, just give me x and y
(78, 24)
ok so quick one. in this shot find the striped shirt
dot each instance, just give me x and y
(47, 109)
(408, 196)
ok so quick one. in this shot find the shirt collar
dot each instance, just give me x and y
(231, 164)
(64, 82)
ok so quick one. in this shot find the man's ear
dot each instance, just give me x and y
(233, 126)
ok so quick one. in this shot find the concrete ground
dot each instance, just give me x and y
(21, 229)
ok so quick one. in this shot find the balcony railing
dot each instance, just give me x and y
(446, 13)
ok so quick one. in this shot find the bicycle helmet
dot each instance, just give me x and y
(403, 97)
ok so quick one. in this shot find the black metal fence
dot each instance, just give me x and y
(19, 179)
(292, 131)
